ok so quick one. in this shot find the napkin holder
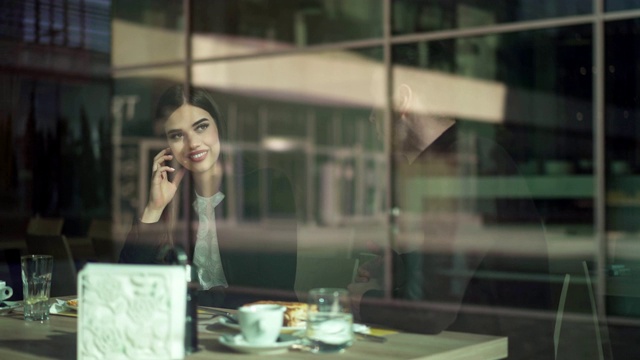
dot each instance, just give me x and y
(131, 312)
(176, 255)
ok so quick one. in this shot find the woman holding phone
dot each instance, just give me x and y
(232, 269)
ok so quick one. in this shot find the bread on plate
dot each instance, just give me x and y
(295, 313)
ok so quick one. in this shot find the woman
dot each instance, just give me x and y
(231, 269)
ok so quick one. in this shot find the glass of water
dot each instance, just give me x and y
(36, 285)
(329, 320)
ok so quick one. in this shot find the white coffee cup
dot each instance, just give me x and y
(260, 324)
(5, 291)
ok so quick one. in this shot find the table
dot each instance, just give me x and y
(56, 339)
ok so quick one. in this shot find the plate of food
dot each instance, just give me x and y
(72, 304)
(294, 319)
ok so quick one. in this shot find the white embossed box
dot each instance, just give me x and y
(131, 312)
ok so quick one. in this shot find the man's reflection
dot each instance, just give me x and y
(455, 264)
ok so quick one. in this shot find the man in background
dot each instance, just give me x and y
(452, 264)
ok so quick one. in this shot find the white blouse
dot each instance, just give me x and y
(206, 255)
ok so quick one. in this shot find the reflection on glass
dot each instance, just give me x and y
(147, 34)
(308, 116)
(224, 28)
(56, 149)
(492, 140)
(137, 137)
(622, 139)
(621, 96)
(524, 82)
(410, 16)
(616, 5)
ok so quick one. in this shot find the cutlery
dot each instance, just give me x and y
(232, 319)
(221, 313)
(365, 336)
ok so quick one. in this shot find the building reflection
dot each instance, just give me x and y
(297, 82)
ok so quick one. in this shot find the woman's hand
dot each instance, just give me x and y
(162, 189)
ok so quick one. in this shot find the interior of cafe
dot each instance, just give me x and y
(494, 138)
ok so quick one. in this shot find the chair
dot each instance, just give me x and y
(101, 235)
(587, 338)
(560, 313)
(45, 226)
(326, 241)
(64, 277)
(602, 334)
(314, 272)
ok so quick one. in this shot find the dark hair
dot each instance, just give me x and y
(178, 95)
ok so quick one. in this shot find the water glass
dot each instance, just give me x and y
(36, 285)
(329, 320)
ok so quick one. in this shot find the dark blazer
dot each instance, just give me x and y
(259, 258)
(431, 294)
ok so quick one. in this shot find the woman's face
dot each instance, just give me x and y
(193, 138)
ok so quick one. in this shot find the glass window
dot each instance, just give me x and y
(137, 136)
(410, 16)
(56, 147)
(70, 24)
(493, 136)
(147, 32)
(307, 115)
(530, 80)
(225, 28)
(481, 170)
(622, 166)
(617, 5)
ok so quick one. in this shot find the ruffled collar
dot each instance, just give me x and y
(205, 205)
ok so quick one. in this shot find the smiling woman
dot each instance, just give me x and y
(225, 263)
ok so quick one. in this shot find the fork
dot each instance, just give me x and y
(221, 313)
(232, 319)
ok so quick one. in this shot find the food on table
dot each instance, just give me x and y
(295, 314)
(73, 303)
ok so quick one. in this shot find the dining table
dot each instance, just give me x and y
(56, 338)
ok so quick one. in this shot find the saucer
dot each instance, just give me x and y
(9, 306)
(285, 329)
(237, 342)
(66, 305)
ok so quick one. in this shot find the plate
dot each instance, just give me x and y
(62, 307)
(72, 304)
(9, 306)
(285, 329)
(237, 342)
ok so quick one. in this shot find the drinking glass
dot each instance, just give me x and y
(329, 320)
(36, 285)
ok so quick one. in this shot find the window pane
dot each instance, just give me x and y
(223, 28)
(147, 32)
(138, 136)
(493, 170)
(410, 16)
(616, 5)
(56, 147)
(308, 116)
(623, 167)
